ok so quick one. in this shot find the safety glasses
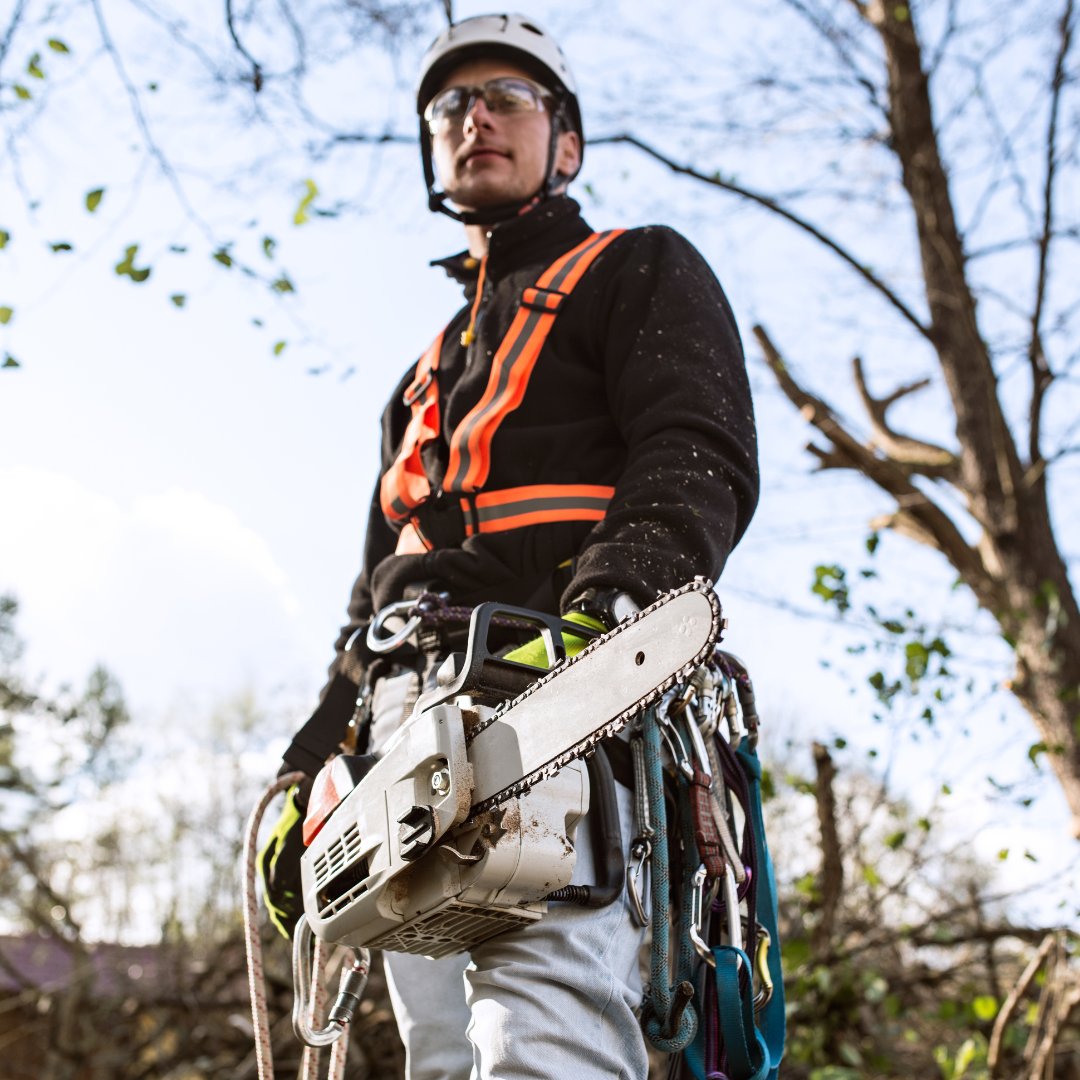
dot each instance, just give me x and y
(504, 96)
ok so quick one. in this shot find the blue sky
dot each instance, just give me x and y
(188, 508)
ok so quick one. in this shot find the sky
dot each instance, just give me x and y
(186, 507)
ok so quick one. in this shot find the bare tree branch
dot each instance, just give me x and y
(1041, 374)
(919, 515)
(926, 458)
(12, 26)
(716, 180)
(256, 68)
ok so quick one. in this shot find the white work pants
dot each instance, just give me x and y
(552, 1001)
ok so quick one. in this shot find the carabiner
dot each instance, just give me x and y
(640, 853)
(400, 609)
(354, 975)
(761, 965)
(698, 907)
(676, 747)
(731, 908)
(697, 741)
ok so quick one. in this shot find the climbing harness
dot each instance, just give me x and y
(698, 869)
(461, 507)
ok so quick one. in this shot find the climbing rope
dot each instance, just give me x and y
(307, 1013)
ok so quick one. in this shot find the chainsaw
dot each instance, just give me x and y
(465, 822)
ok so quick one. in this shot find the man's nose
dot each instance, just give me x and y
(477, 115)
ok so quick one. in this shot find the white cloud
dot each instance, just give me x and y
(172, 591)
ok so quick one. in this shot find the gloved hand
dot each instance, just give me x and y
(534, 653)
(279, 864)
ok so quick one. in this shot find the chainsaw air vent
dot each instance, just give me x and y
(453, 928)
(340, 874)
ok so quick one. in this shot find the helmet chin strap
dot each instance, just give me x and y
(493, 215)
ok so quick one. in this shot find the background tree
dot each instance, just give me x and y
(961, 126)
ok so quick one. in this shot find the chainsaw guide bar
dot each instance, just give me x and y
(619, 674)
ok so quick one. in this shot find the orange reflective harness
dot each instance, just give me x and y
(405, 488)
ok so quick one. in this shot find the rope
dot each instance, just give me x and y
(264, 1055)
(668, 1018)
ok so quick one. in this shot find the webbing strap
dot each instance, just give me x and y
(771, 1020)
(470, 446)
(405, 484)
(745, 1049)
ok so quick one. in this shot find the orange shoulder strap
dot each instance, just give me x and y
(405, 485)
(470, 447)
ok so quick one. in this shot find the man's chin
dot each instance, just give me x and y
(488, 199)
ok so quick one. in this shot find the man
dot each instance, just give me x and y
(582, 467)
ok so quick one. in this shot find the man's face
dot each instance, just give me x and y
(490, 159)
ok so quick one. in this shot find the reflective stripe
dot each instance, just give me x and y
(405, 484)
(470, 447)
(514, 508)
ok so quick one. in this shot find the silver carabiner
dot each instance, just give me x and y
(676, 747)
(698, 907)
(640, 853)
(354, 975)
(400, 608)
(731, 906)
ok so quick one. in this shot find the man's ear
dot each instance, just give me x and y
(568, 154)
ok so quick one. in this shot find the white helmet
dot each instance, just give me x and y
(512, 37)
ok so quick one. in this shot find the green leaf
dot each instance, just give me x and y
(896, 840)
(283, 285)
(5, 315)
(10, 361)
(33, 68)
(179, 299)
(222, 256)
(268, 245)
(57, 45)
(279, 347)
(984, 1007)
(5, 236)
(872, 542)
(93, 199)
(871, 876)
(301, 216)
(1003, 854)
(61, 245)
(1034, 752)
(21, 92)
(126, 266)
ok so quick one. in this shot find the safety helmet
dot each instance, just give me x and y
(515, 38)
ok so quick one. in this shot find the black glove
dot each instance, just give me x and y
(279, 863)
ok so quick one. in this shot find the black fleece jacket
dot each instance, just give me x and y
(641, 385)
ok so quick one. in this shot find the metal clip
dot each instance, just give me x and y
(731, 908)
(736, 727)
(354, 975)
(761, 966)
(640, 853)
(698, 907)
(676, 747)
(402, 609)
(697, 742)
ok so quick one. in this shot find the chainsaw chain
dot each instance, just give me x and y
(611, 727)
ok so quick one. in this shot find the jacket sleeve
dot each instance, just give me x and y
(679, 393)
(379, 542)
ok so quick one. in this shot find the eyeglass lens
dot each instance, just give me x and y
(502, 96)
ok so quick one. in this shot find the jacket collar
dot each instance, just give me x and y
(542, 234)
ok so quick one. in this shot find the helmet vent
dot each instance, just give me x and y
(531, 28)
